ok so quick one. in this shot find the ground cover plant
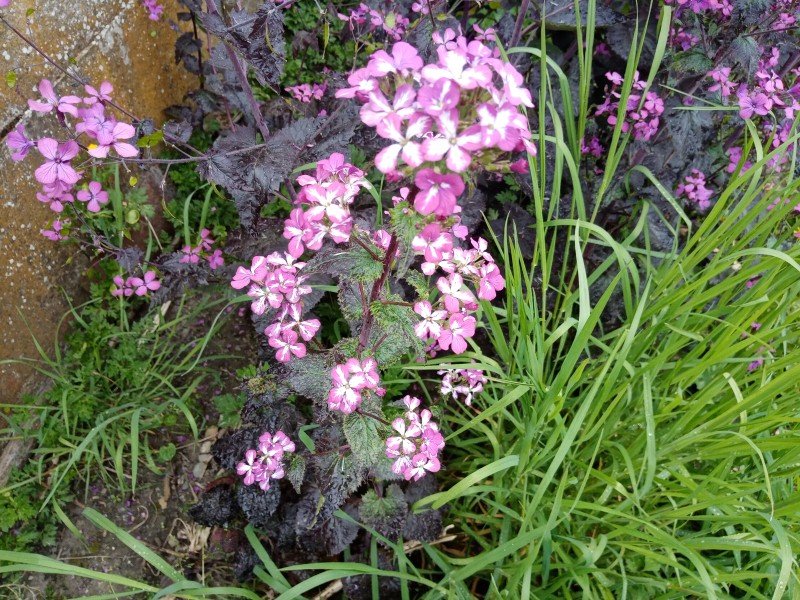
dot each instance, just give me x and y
(525, 282)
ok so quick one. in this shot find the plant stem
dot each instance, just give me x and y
(81, 82)
(241, 74)
(523, 10)
(366, 328)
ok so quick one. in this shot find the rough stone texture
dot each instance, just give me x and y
(103, 40)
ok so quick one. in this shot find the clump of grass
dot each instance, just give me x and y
(114, 385)
(653, 457)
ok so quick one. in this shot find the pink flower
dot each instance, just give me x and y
(50, 101)
(403, 443)
(756, 103)
(153, 8)
(57, 166)
(404, 59)
(94, 195)
(191, 256)
(461, 327)
(431, 324)
(455, 293)
(462, 384)
(94, 121)
(250, 467)
(121, 287)
(101, 95)
(404, 147)
(287, 345)
(344, 395)
(306, 329)
(361, 82)
(55, 199)
(364, 373)
(378, 107)
(695, 190)
(420, 465)
(432, 243)
(215, 260)
(491, 281)
(111, 139)
(54, 234)
(437, 193)
(450, 143)
(142, 286)
(19, 143)
(721, 76)
(439, 97)
(455, 65)
(256, 273)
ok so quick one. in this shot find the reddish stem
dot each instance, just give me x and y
(366, 328)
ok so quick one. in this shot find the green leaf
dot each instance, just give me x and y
(296, 471)
(148, 141)
(11, 79)
(366, 442)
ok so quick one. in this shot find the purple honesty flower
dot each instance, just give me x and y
(50, 101)
(19, 143)
(94, 195)
(95, 95)
(57, 166)
(111, 139)
(143, 286)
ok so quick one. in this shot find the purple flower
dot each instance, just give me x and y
(111, 139)
(142, 286)
(50, 101)
(57, 166)
(756, 103)
(94, 195)
(19, 143)
(215, 260)
(101, 95)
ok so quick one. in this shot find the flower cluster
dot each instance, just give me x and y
(323, 205)
(642, 114)
(350, 381)
(57, 175)
(593, 148)
(769, 92)
(392, 23)
(680, 38)
(265, 463)
(193, 254)
(722, 8)
(415, 449)
(447, 323)
(734, 156)
(444, 116)
(462, 384)
(139, 286)
(274, 282)
(305, 92)
(153, 8)
(694, 189)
